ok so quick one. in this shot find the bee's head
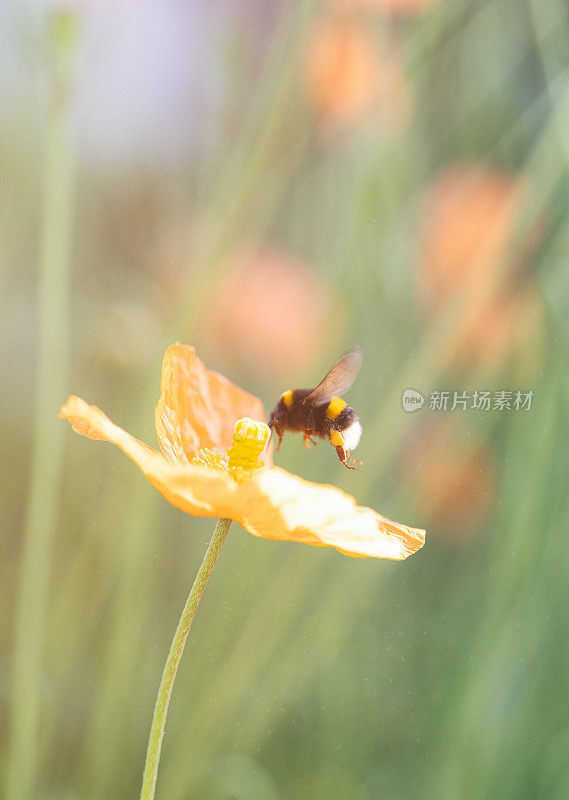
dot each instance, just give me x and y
(279, 417)
(274, 419)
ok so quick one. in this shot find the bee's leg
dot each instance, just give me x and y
(337, 441)
(280, 442)
(308, 439)
(353, 460)
(344, 458)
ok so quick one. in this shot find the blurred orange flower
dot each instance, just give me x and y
(469, 220)
(455, 482)
(347, 79)
(512, 322)
(291, 307)
(407, 7)
(195, 415)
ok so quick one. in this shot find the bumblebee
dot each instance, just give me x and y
(322, 412)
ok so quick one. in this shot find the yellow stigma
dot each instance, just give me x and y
(249, 439)
(335, 408)
(287, 398)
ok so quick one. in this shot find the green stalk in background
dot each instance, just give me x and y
(45, 479)
(174, 657)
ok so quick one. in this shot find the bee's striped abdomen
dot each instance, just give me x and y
(344, 419)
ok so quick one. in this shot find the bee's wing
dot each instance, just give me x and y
(338, 380)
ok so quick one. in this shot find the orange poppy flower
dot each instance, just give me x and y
(469, 220)
(290, 305)
(510, 325)
(195, 416)
(349, 81)
(455, 480)
(403, 7)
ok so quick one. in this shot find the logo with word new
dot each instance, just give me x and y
(412, 400)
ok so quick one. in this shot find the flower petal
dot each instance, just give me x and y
(200, 491)
(272, 504)
(275, 504)
(198, 407)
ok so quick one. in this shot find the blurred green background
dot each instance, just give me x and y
(275, 182)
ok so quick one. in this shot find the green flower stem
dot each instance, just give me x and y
(174, 657)
(54, 280)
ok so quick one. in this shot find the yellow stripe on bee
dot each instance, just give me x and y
(337, 405)
(287, 398)
(336, 438)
